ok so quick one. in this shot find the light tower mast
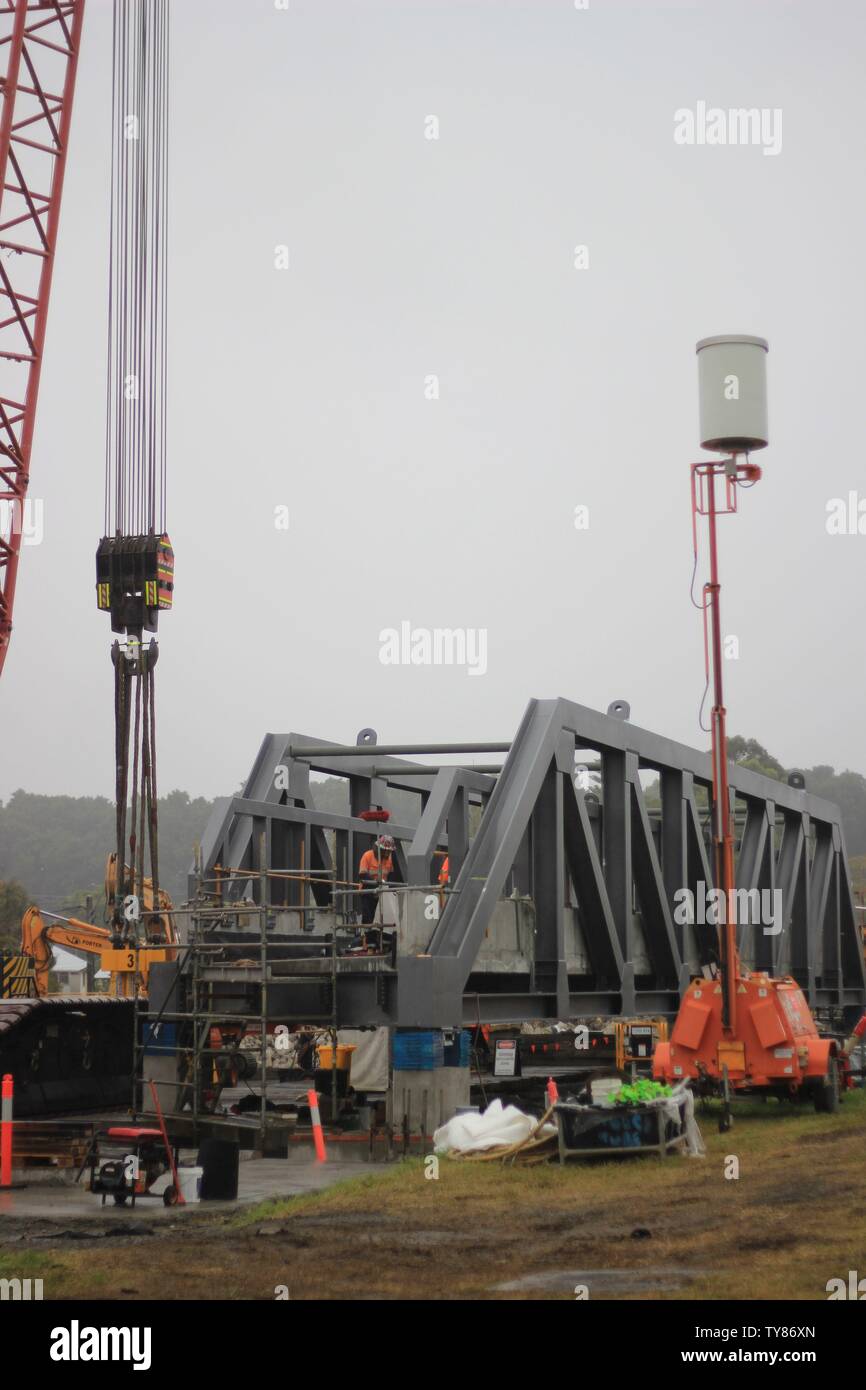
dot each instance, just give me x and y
(733, 405)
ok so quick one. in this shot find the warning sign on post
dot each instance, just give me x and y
(506, 1058)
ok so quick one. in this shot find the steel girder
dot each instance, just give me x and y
(606, 867)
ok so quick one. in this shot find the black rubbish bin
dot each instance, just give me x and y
(219, 1160)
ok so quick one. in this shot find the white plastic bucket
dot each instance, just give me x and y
(190, 1183)
(604, 1088)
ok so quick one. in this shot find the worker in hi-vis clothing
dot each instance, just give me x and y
(444, 873)
(376, 867)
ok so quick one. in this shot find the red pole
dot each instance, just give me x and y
(318, 1135)
(181, 1200)
(723, 836)
(6, 1128)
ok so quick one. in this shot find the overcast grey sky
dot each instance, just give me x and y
(559, 386)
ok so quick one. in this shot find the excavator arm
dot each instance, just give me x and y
(38, 937)
(128, 960)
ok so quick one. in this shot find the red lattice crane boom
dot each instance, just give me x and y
(39, 46)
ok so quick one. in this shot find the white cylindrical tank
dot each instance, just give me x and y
(732, 387)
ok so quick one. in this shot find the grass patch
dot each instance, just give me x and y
(23, 1263)
(762, 1135)
(780, 1229)
(350, 1195)
(48, 1266)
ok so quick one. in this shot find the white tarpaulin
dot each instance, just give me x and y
(369, 1071)
(497, 1125)
(684, 1096)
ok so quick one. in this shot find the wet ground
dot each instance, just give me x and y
(258, 1180)
(786, 1217)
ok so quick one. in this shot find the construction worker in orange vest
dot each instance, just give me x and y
(444, 873)
(376, 867)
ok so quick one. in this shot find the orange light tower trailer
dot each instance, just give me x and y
(737, 1031)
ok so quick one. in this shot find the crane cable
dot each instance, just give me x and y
(137, 385)
(135, 710)
(135, 430)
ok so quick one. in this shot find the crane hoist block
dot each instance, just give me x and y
(134, 580)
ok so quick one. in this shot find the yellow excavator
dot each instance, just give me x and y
(126, 957)
(69, 1053)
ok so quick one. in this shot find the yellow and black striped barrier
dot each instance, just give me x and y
(18, 978)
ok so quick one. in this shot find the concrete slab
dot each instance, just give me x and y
(259, 1180)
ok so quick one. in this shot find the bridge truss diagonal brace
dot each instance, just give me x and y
(587, 875)
(444, 820)
(461, 928)
(655, 907)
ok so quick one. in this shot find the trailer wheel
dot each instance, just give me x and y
(169, 1196)
(826, 1093)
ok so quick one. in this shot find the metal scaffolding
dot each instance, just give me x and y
(224, 985)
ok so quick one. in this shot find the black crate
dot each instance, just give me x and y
(625, 1129)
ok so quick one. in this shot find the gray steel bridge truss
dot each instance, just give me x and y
(601, 864)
